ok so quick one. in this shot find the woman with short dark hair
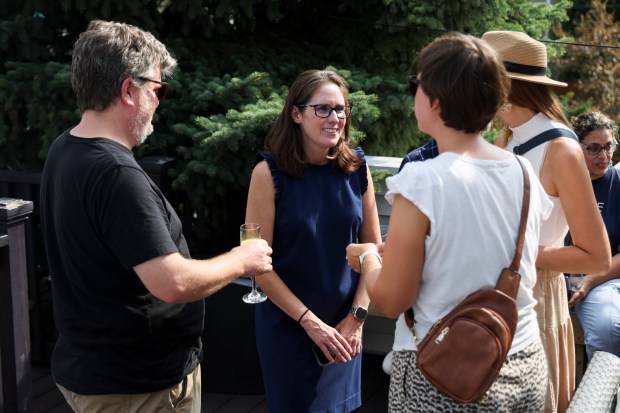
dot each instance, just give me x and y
(453, 228)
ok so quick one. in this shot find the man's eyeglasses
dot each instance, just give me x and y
(160, 92)
(412, 85)
(324, 110)
(595, 149)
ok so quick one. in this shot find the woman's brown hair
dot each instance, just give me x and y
(468, 79)
(285, 141)
(537, 97)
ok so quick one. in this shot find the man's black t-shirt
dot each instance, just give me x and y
(101, 216)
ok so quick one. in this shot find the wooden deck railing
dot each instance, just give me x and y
(15, 367)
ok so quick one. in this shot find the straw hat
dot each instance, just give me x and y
(524, 58)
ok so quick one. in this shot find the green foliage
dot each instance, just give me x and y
(30, 94)
(533, 18)
(236, 61)
(581, 7)
(595, 71)
(378, 178)
(491, 134)
(574, 107)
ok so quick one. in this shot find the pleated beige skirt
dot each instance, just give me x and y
(556, 333)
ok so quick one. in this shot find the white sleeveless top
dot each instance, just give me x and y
(554, 228)
(474, 209)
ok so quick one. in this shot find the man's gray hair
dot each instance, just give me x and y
(106, 54)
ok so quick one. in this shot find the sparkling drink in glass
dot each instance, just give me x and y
(248, 233)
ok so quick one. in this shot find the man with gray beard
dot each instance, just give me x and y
(127, 296)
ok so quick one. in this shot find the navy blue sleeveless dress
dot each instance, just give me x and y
(316, 217)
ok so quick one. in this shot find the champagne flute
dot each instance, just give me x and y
(576, 282)
(248, 233)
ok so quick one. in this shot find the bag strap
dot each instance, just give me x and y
(542, 138)
(510, 278)
(525, 209)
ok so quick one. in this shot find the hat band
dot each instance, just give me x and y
(525, 69)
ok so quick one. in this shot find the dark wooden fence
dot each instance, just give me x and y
(15, 365)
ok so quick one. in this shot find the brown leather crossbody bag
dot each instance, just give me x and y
(462, 354)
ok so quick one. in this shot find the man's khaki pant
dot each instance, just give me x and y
(180, 398)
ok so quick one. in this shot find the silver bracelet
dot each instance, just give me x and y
(369, 252)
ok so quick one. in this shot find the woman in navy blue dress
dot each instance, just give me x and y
(312, 195)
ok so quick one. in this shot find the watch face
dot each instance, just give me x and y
(360, 313)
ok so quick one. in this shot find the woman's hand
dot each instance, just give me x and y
(351, 329)
(354, 251)
(326, 336)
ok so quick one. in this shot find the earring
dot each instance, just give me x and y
(506, 107)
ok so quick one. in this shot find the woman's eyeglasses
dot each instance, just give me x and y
(412, 85)
(595, 149)
(324, 110)
(160, 92)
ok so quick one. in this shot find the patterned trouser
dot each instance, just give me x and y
(520, 387)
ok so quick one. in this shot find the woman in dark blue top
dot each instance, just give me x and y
(597, 303)
(312, 196)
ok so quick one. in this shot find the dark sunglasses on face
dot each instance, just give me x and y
(595, 149)
(412, 85)
(162, 91)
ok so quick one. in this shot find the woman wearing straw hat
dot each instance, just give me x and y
(532, 108)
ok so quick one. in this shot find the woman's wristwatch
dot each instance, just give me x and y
(359, 312)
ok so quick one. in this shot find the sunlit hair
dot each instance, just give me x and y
(593, 121)
(285, 140)
(468, 79)
(537, 97)
(106, 54)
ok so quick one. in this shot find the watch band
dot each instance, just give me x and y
(356, 310)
